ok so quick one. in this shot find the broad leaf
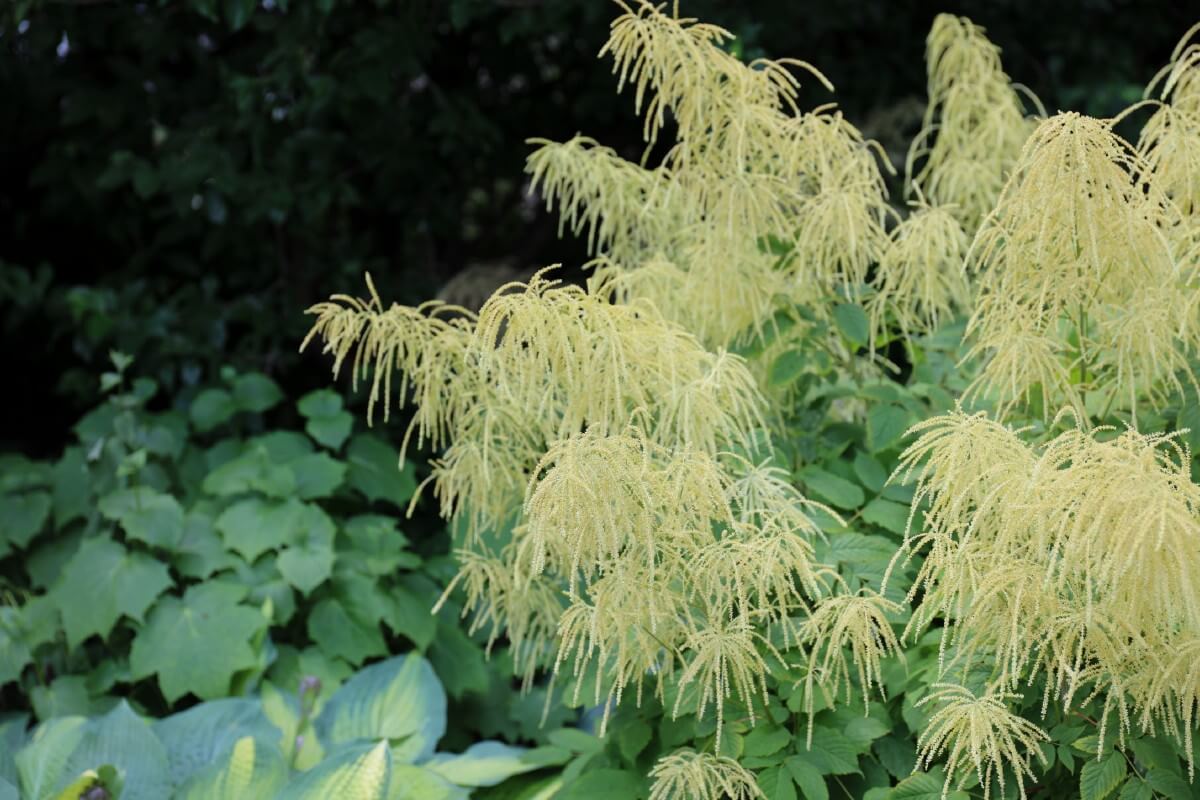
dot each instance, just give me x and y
(103, 581)
(123, 739)
(482, 764)
(21, 517)
(250, 770)
(255, 392)
(399, 699)
(1099, 779)
(42, 762)
(205, 734)
(197, 643)
(357, 773)
(375, 471)
(145, 514)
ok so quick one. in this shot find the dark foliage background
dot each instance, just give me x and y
(179, 179)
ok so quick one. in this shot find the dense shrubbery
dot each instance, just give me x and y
(779, 504)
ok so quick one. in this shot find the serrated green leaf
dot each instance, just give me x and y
(887, 515)
(1099, 779)
(764, 740)
(145, 514)
(320, 403)
(196, 644)
(1170, 784)
(808, 778)
(575, 740)
(885, 425)
(400, 699)
(869, 472)
(102, 582)
(832, 489)
(602, 784)
(306, 566)
(776, 784)
(1136, 789)
(786, 368)
(831, 752)
(339, 634)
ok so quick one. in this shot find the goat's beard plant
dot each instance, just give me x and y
(606, 457)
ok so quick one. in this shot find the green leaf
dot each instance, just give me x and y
(1156, 752)
(67, 695)
(339, 634)
(852, 321)
(362, 772)
(400, 699)
(238, 12)
(102, 582)
(212, 407)
(42, 762)
(885, 425)
(21, 517)
(787, 367)
(1169, 784)
(897, 754)
(320, 403)
(200, 552)
(575, 740)
(72, 488)
(317, 475)
(124, 739)
(869, 472)
(832, 489)
(603, 784)
(632, 738)
(330, 431)
(249, 769)
(202, 736)
(196, 644)
(1137, 789)
(831, 752)
(808, 778)
(253, 526)
(482, 764)
(255, 392)
(765, 740)
(411, 616)
(306, 566)
(254, 470)
(145, 514)
(417, 783)
(12, 737)
(776, 784)
(886, 514)
(1099, 779)
(925, 786)
(376, 473)
(375, 546)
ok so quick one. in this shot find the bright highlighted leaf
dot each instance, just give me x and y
(400, 699)
(482, 764)
(1099, 779)
(206, 734)
(102, 582)
(124, 740)
(197, 643)
(357, 773)
(251, 769)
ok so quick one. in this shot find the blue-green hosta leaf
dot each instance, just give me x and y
(375, 471)
(124, 740)
(291, 666)
(42, 762)
(400, 699)
(297, 741)
(482, 764)
(358, 772)
(8, 790)
(250, 770)
(196, 643)
(12, 737)
(417, 783)
(205, 734)
(149, 516)
(21, 517)
(102, 582)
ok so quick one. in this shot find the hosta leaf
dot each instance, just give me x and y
(145, 514)
(1099, 779)
(250, 770)
(42, 762)
(298, 741)
(123, 739)
(356, 773)
(399, 699)
(482, 764)
(8, 790)
(103, 581)
(417, 783)
(12, 737)
(197, 643)
(205, 734)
